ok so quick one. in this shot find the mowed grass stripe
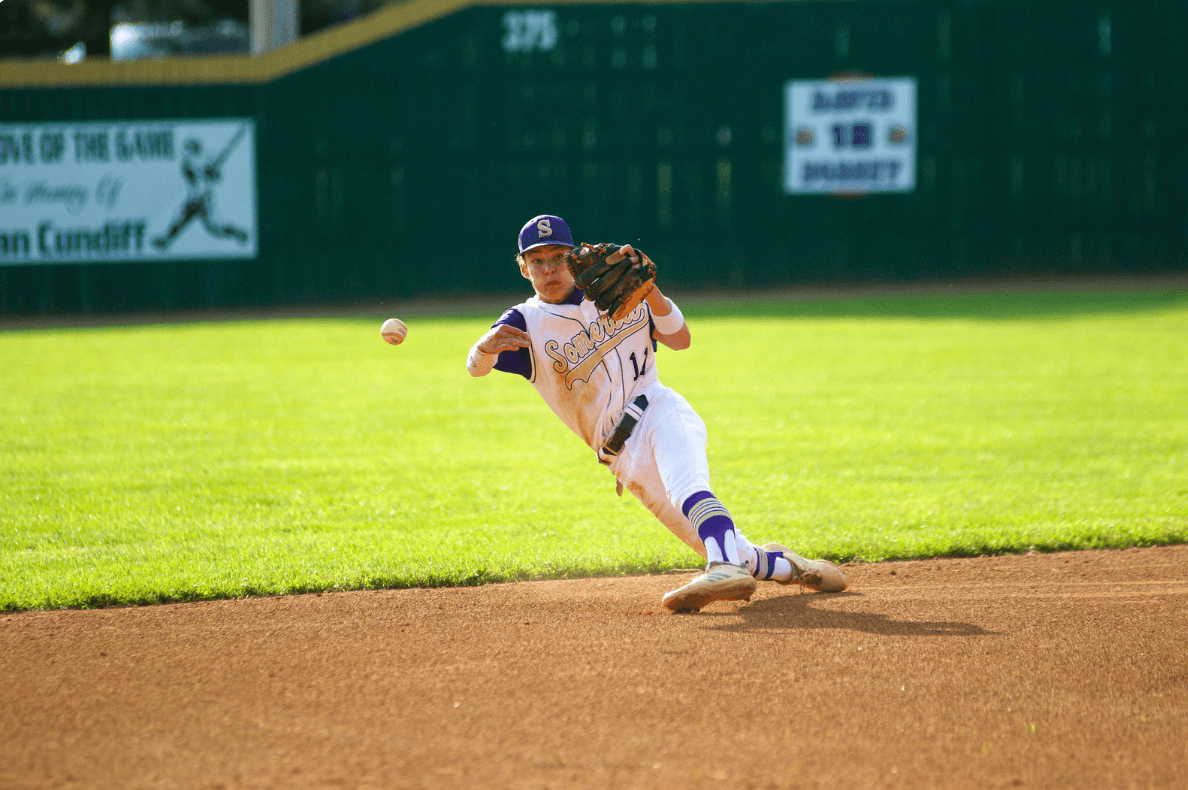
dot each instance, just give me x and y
(157, 463)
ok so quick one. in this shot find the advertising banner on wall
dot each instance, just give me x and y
(850, 136)
(127, 191)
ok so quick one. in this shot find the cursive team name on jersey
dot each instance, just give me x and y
(578, 357)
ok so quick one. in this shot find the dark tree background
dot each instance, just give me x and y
(45, 28)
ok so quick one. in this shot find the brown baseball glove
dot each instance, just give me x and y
(614, 282)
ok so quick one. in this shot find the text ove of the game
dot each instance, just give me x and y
(127, 191)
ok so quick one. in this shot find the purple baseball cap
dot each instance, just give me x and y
(542, 230)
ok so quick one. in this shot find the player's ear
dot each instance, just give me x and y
(523, 267)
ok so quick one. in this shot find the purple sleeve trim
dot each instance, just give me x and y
(519, 360)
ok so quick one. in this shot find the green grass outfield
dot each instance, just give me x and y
(178, 462)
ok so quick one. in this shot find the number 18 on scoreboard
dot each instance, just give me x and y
(850, 136)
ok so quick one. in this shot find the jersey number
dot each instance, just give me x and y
(639, 370)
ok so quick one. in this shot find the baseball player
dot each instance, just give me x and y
(200, 179)
(598, 374)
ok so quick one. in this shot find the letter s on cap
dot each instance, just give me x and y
(543, 228)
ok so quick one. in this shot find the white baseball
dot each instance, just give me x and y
(393, 331)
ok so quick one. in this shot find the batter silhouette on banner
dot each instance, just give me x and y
(200, 180)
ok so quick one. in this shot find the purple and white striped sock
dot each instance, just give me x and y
(768, 565)
(714, 526)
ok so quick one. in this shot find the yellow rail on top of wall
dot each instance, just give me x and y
(231, 69)
(247, 70)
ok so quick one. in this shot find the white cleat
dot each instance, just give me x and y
(722, 581)
(818, 575)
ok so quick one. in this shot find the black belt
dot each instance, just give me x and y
(632, 414)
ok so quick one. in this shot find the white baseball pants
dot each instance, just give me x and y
(663, 463)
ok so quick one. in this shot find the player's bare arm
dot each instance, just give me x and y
(488, 348)
(662, 307)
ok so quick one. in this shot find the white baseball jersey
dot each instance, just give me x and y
(586, 366)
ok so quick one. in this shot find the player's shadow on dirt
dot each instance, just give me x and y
(797, 612)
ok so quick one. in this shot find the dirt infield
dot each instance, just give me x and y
(1044, 671)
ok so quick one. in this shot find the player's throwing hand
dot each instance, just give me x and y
(503, 338)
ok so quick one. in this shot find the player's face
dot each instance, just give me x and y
(545, 268)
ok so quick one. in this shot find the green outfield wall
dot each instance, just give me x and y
(398, 156)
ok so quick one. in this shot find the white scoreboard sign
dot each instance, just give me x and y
(127, 191)
(853, 135)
